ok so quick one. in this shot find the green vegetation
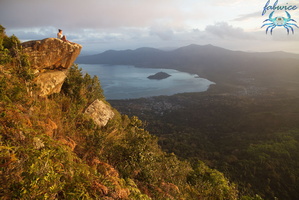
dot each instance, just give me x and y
(50, 150)
(252, 140)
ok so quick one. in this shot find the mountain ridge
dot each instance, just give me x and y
(209, 47)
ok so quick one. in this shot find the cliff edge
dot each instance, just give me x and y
(51, 53)
(50, 58)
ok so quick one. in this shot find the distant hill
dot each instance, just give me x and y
(129, 57)
(217, 64)
(191, 54)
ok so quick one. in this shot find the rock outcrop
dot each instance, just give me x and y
(51, 53)
(100, 112)
(50, 82)
(51, 58)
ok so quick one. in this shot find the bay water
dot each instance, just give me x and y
(129, 82)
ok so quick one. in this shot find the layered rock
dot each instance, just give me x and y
(51, 58)
(100, 112)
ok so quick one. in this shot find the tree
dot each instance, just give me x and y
(210, 183)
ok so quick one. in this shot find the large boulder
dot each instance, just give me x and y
(50, 82)
(51, 53)
(100, 112)
(50, 58)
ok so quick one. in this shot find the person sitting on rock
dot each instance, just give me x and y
(61, 36)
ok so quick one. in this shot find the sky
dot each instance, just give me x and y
(100, 25)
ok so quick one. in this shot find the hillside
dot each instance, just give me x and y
(50, 148)
(245, 126)
(252, 139)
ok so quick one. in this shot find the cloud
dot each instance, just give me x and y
(224, 30)
(248, 16)
(33, 33)
(163, 32)
(87, 14)
(226, 3)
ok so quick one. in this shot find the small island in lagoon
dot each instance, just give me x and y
(159, 76)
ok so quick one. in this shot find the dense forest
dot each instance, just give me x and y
(49, 149)
(252, 139)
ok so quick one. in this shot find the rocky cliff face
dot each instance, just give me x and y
(51, 58)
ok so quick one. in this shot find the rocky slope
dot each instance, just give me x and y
(51, 60)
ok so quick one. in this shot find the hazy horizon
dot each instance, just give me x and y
(100, 25)
(174, 48)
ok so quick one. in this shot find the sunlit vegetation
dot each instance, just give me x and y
(50, 150)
